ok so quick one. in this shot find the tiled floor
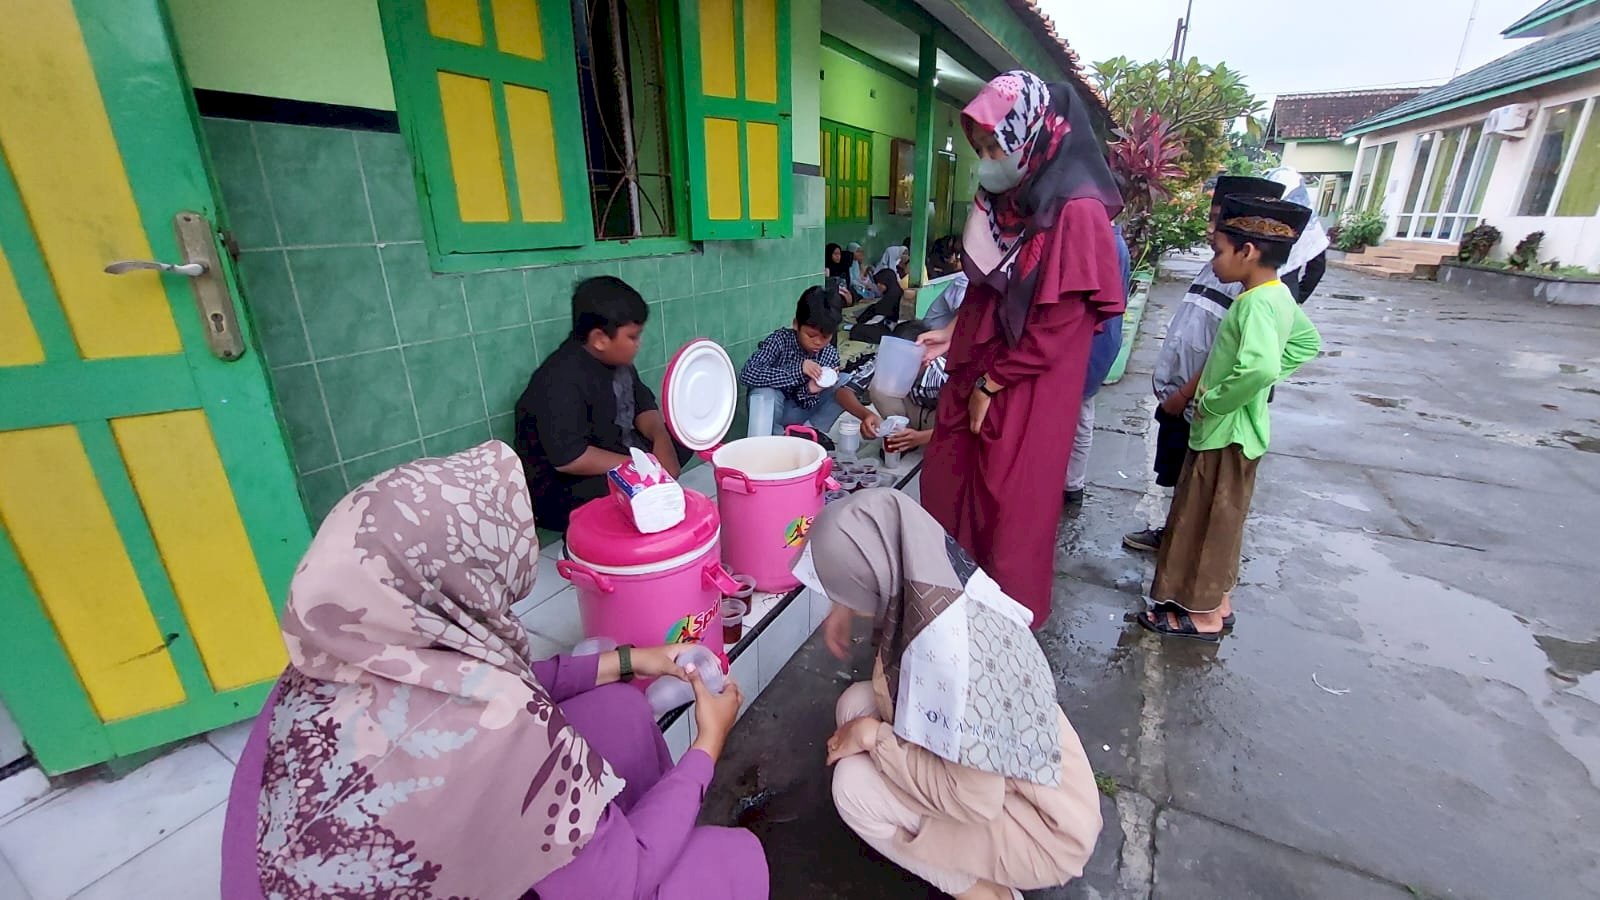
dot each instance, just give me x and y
(157, 832)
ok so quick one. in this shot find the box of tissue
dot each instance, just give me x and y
(652, 498)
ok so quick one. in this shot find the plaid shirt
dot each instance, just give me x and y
(777, 364)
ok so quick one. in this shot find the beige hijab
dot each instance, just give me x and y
(967, 679)
(412, 753)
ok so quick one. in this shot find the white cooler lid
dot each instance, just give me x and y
(700, 394)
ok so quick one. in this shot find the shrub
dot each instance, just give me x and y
(1526, 254)
(1177, 224)
(1477, 244)
(1360, 230)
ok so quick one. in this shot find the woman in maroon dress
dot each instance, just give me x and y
(1042, 262)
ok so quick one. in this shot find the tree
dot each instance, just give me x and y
(1198, 103)
(1145, 160)
(1247, 150)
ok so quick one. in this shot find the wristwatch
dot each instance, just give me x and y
(625, 662)
(983, 385)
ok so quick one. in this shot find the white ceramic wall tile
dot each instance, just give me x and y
(65, 845)
(745, 671)
(21, 789)
(10, 886)
(677, 735)
(552, 550)
(230, 739)
(187, 865)
(700, 479)
(818, 604)
(782, 638)
(544, 648)
(548, 583)
(556, 619)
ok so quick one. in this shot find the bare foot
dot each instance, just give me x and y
(987, 890)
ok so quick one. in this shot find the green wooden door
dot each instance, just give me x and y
(149, 518)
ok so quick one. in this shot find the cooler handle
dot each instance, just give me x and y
(715, 576)
(738, 478)
(825, 481)
(575, 573)
(805, 430)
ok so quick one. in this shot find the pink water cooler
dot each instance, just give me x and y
(648, 589)
(769, 489)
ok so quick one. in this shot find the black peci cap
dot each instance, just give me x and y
(1245, 186)
(1254, 219)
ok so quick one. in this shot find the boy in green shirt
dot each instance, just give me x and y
(1262, 340)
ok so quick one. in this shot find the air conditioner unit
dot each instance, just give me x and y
(1509, 121)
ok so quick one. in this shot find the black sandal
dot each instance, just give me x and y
(1185, 627)
(1163, 606)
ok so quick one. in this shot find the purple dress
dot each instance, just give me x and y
(646, 845)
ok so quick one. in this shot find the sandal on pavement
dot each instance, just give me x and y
(1185, 627)
(1163, 606)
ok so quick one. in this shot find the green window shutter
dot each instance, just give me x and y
(736, 106)
(487, 92)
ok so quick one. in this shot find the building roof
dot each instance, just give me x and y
(1533, 24)
(1326, 114)
(1542, 62)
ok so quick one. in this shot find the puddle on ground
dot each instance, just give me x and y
(1551, 406)
(1381, 402)
(1330, 353)
(1571, 439)
(1420, 621)
(1583, 390)
(1570, 369)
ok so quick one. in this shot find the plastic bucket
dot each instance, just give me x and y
(670, 601)
(897, 366)
(769, 491)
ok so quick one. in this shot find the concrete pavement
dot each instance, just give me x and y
(1409, 706)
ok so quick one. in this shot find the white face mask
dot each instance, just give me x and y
(1000, 175)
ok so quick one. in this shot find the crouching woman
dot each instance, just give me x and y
(955, 761)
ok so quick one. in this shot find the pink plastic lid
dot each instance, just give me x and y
(700, 394)
(602, 533)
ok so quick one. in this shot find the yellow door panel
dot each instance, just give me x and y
(172, 460)
(52, 508)
(59, 145)
(762, 152)
(719, 71)
(19, 343)
(761, 51)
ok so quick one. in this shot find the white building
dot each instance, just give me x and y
(1515, 143)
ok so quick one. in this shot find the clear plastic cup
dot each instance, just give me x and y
(892, 424)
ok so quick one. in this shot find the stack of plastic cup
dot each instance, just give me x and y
(849, 437)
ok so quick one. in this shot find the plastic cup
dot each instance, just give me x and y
(848, 482)
(849, 443)
(834, 496)
(763, 412)
(892, 424)
(747, 587)
(733, 612)
(869, 481)
(898, 363)
(867, 467)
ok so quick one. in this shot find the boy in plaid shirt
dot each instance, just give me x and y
(789, 365)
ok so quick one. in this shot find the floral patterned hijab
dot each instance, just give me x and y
(1062, 160)
(411, 752)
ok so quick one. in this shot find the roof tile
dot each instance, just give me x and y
(1325, 115)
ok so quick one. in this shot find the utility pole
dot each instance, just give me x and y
(1180, 35)
(1461, 54)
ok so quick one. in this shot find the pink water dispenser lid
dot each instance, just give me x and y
(700, 394)
(602, 533)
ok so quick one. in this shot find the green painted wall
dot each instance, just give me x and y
(331, 51)
(847, 94)
(375, 360)
(327, 51)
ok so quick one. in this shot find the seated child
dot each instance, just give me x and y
(585, 407)
(785, 369)
(1183, 352)
(1262, 340)
(919, 406)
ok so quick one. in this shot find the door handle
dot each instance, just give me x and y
(124, 266)
(218, 319)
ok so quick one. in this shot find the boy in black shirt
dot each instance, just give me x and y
(585, 407)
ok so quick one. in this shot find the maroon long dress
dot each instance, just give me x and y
(999, 493)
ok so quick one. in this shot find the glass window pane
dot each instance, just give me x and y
(1463, 170)
(1488, 154)
(1581, 194)
(1554, 139)
(1380, 179)
(1419, 170)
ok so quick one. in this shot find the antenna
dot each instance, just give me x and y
(1461, 54)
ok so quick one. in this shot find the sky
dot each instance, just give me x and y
(1301, 45)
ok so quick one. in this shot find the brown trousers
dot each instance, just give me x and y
(1199, 559)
